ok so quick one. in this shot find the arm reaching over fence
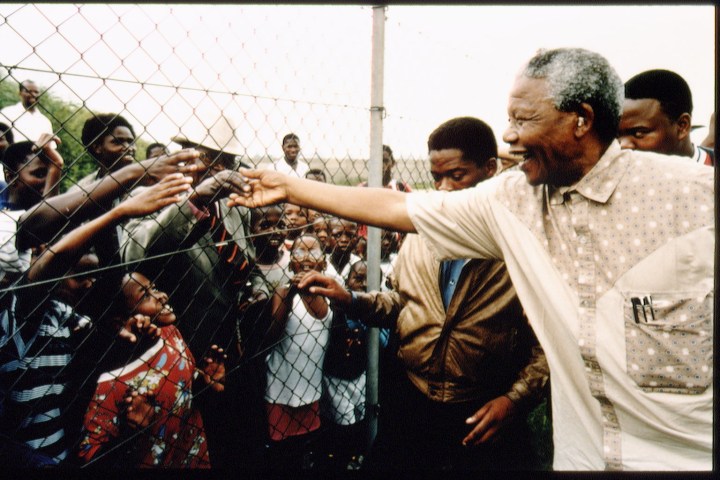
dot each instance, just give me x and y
(380, 207)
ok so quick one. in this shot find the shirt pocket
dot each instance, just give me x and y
(669, 348)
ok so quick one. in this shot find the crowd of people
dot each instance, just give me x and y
(188, 311)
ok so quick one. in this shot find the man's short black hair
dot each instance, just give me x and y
(21, 85)
(100, 125)
(290, 136)
(668, 88)
(6, 131)
(470, 135)
(154, 145)
(18, 154)
(389, 151)
(319, 172)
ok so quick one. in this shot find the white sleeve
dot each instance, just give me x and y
(456, 224)
(11, 260)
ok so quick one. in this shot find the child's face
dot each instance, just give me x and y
(388, 243)
(306, 255)
(360, 247)
(357, 278)
(268, 229)
(73, 289)
(142, 297)
(320, 229)
(295, 217)
(30, 181)
(343, 234)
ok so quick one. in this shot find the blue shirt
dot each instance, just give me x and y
(449, 274)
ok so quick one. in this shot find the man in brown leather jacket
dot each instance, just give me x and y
(472, 363)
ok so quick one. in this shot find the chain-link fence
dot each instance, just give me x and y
(174, 336)
(145, 324)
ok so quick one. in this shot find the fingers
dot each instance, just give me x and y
(216, 354)
(127, 335)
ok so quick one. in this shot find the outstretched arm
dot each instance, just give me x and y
(41, 223)
(59, 257)
(380, 207)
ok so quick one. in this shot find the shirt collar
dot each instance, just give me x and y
(600, 182)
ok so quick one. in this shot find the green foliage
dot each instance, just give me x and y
(67, 119)
(540, 425)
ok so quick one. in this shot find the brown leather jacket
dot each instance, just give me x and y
(482, 347)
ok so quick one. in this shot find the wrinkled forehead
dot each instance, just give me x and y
(530, 93)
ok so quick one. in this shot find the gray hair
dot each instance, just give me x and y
(575, 76)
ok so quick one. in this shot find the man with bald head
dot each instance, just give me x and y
(610, 252)
(657, 116)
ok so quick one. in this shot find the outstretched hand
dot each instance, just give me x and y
(138, 326)
(154, 198)
(318, 284)
(138, 408)
(263, 187)
(213, 371)
(157, 168)
(489, 419)
(220, 185)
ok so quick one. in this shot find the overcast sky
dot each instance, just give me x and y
(307, 68)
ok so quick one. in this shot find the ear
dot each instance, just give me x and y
(491, 165)
(684, 125)
(585, 120)
(10, 175)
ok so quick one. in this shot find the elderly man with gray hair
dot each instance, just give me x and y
(611, 254)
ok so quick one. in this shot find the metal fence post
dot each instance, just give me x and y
(375, 180)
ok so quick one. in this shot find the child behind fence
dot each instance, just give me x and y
(301, 328)
(344, 377)
(38, 338)
(154, 383)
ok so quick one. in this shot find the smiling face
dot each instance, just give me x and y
(542, 135)
(141, 296)
(116, 150)
(306, 255)
(268, 229)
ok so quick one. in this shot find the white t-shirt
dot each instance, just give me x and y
(26, 124)
(301, 167)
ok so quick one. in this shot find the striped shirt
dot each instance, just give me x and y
(34, 378)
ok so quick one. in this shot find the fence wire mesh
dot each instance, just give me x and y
(156, 333)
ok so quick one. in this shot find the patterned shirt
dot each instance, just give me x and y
(176, 436)
(616, 276)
